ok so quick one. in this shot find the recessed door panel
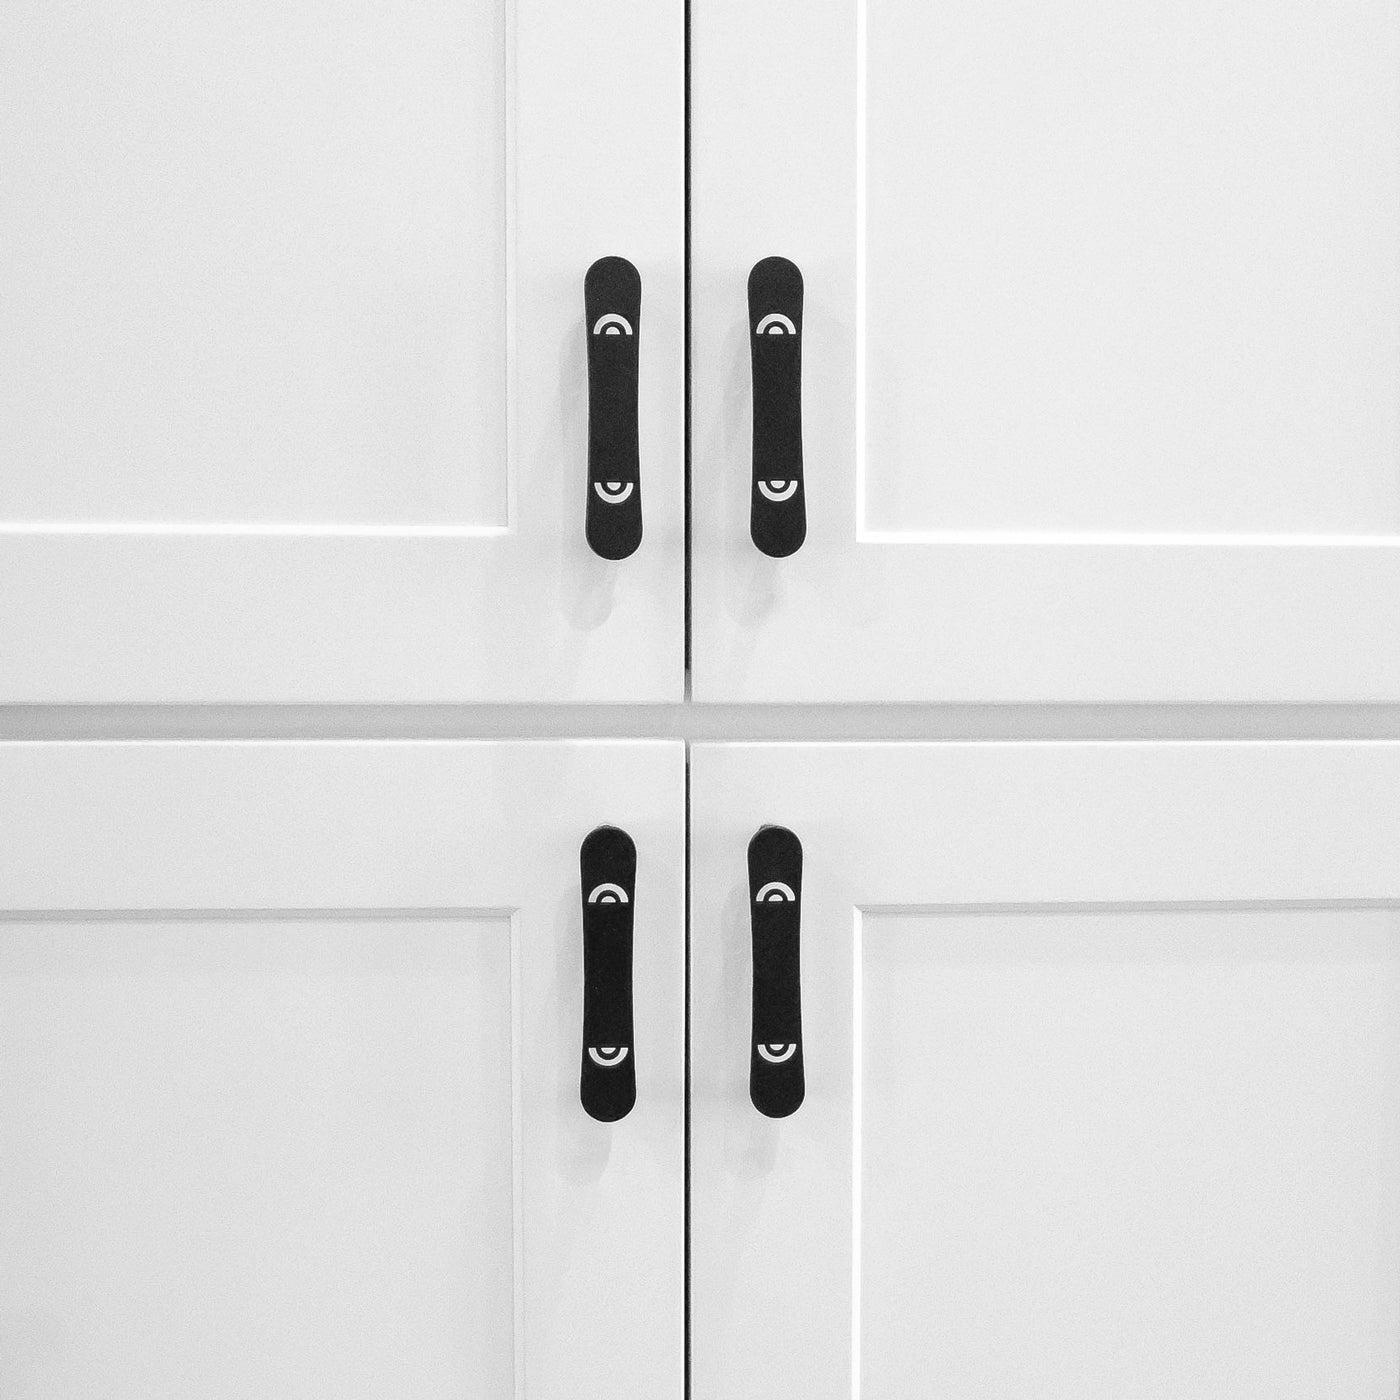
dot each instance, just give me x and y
(251, 1154)
(1131, 273)
(1120, 1149)
(261, 276)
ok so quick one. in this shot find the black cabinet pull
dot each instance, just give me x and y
(608, 881)
(612, 308)
(778, 507)
(776, 1079)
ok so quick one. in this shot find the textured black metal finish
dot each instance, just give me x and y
(777, 1082)
(778, 509)
(612, 304)
(608, 880)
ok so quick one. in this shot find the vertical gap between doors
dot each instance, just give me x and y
(685, 1031)
(686, 421)
(685, 1019)
(685, 355)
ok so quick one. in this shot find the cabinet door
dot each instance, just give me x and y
(1102, 1054)
(293, 387)
(1100, 356)
(289, 1074)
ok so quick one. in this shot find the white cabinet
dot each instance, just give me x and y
(1101, 334)
(289, 1074)
(1100, 349)
(1057, 1070)
(293, 395)
(1102, 1055)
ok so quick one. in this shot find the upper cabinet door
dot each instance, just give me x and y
(1101, 1049)
(292, 1039)
(1099, 349)
(293, 363)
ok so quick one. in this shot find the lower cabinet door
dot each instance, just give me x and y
(290, 1056)
(1101, 1049)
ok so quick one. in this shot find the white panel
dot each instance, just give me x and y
(341, 983)
(256, 260)
(293, 391)
(256, 1156)
(1111, 1153)
(1102, 1049)
(1101, 350)
(1132, 272)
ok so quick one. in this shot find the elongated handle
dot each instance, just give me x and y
(612, 307)
(608, 882)
(778, 509)
(777, 1082)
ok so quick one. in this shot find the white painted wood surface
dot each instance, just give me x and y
(1101, 346)
(292, 377)
(1102, 1047)
(289, 1044)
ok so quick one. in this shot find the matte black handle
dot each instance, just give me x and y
(777, 1083)
(608, 883)
(778, 508)
(612, 308)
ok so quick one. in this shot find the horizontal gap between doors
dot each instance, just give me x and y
(703, 723)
